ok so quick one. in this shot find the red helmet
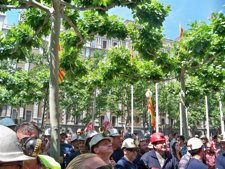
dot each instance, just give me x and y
(155, 137)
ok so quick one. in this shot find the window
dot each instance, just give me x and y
(28, 115)
(114, 44)
(113, 120)
(137, 119)
(14, 114)
(93, 44)
(104, 44)
(124, 43)
(87, 52)
(162, 121)
(1, 111)
(102, 120)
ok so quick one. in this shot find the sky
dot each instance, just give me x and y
(183, 12)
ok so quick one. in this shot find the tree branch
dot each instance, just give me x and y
(204, 62)
(34, 3)
(96, 7)
(70, 22)
(13, 7)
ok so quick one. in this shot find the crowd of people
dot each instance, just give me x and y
(27, 147)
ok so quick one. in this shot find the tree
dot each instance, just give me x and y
(200, 48)
(81, 21)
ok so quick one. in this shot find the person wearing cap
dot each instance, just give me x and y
(143, 146)
(80, 143)
(89, 136)
(130, 154)
(103, 147)
(74, 143)
(195, 148)
(116, 143)
(159, 157)
(11, 155)
(8, 122)
(220, 159)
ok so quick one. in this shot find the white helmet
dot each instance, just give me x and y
(128, 143)
(194, 143)
(10, 150)
(47, 132)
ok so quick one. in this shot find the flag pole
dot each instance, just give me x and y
(132, 109)
(221, 118)
(181, 129)
(157, 108)
(207, 116)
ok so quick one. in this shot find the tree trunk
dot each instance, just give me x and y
(183, 106)
(53, 82)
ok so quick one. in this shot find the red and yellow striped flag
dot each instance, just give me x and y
(61, 75)
(61, 71)
(181, 31)
(151, 111)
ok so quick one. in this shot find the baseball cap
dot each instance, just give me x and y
(97, 138)
(114, 132)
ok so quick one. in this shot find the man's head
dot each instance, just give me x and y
(27, 129)
(79, 131)
(159, 142)
(11, 154)
(195, 147)
(204, 139)
(68, 137)
(86, 161)
(101, 145)
(80, 144)
(129, 149)
(143, 145)
(180, 140)
(116, 138)
(62, 137)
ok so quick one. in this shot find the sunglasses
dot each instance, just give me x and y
(109, 166)
(131, 149)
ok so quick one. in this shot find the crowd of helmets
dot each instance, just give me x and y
(26, 146)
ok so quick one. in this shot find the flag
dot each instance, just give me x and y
(59, 48)
(61, 74)
(151, 111)
(106, 124)
(90, 126)
(181, 31)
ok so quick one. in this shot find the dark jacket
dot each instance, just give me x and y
(123, 163)
(117, 155)
(196, 164)
(220, 161)
(150, 160)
